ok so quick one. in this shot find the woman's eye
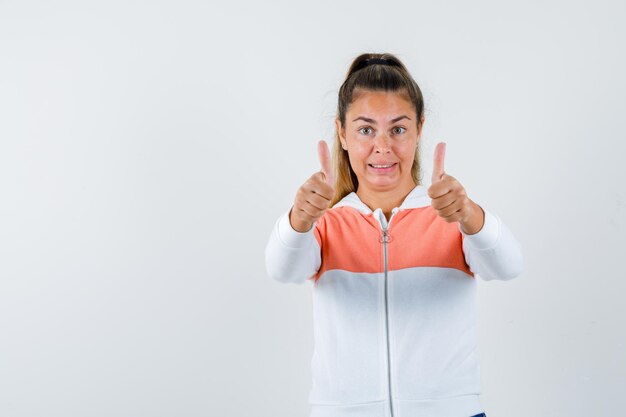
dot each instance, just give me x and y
(365, 128)
(399, 128)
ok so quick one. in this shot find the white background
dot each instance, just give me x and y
(147, 148)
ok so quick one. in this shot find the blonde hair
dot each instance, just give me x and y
(391, 76)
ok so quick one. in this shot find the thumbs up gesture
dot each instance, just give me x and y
(449, 199)
(314, 196)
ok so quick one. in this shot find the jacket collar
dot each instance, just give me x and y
(418, 197)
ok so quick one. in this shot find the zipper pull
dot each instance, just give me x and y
(385, 237)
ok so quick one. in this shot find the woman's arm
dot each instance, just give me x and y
(291, 256)
(493, 252)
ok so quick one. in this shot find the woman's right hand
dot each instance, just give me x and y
(314, 196)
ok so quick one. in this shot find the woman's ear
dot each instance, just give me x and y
(341, 133)
(420, 127)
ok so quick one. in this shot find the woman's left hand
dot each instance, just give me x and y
(449, 199)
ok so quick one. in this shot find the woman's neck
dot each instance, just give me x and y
(386, 200)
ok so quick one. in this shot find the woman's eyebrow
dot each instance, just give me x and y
(372, 121)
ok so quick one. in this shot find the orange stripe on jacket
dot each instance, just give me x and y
(351, 241)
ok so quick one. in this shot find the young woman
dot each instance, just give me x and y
(393, 264)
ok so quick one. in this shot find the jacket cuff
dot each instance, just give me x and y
(486, 237)
(291, 237)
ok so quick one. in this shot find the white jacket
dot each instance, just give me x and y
(393, 305)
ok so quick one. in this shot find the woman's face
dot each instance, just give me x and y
(380, 136)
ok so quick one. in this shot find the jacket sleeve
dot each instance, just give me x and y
(291, 256)
(493, 253)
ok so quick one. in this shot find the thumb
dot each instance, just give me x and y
(325, 162)
(440, 153)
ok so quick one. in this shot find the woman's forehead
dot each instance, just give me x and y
(383, 106)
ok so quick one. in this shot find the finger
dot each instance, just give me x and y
(454, 217)
(313, 212)
(303, 215)
(440, 153)
(450, 210)
(318, 185)
(325, 162)
(444, 201)
(317, 201)
(440, 188)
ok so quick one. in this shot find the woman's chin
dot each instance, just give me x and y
(383, 184)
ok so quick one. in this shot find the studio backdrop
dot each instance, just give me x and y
(148, 147)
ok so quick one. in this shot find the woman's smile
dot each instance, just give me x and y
(382, 168)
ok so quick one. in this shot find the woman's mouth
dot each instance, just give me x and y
(383, 168)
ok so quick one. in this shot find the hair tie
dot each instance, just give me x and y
(372, 61)
(383, 61)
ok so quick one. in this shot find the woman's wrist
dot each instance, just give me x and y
(475, 222)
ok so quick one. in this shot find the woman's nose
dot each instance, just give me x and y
(382, 143)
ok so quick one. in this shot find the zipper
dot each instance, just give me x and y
(386, 238)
